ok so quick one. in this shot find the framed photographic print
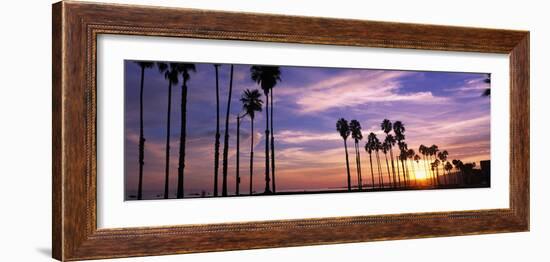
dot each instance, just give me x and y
(181, 130)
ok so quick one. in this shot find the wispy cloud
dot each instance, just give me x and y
(351, 89)
(299, 136)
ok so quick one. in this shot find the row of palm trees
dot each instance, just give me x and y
(402, 164)
(266, 76)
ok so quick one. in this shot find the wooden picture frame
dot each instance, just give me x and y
(76, 26)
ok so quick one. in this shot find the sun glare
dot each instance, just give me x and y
(420, 173)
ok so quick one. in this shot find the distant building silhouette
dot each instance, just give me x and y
(485, 172)
(478, 177)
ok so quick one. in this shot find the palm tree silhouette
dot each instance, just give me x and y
(416, 159)
(342, 127)
(369, 147)
(226, 136)
(143, 66)
(266, 77)
(435, 166)
(390, 141)
(377, 147)
(355, 128)
(448, 168)
(170, 71)
(424, 150)
(184, 69)
(403, 159)
(433, 150)
(275, 70)
(410, 156)
(386, 126)
(252, 103)
(238, 158)
(217, 136)
(458, 166)
(442, 155)
(385, 148)
(399, 129)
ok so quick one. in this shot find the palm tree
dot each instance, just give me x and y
(410, 155)
(217, 136)
(424, 150)
(143, 66)
(390, 141)
(184, 69)
(226, 136)
(266, 77)
(448, 167)
(442, 155)
(238, 158)
(386, 126)
(170, 72)
(458, 166)
(436, 167)
(369, 147)
(385, 148)
(355, 128)
(342, 127)
(403, 159)
(433, 149)
(252, 103)
(399, 129)
(416, 159)
(377, 148)
(276, 71)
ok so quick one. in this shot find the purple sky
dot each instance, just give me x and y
(436, 107)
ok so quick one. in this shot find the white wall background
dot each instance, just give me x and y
(25, 147)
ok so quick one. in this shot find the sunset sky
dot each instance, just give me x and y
(439, 108)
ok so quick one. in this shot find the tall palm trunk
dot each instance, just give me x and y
(167, 163)
(371, 172)
(360, 168)
(217, 143)
(436, 172)
(267, 166)
(431, 171)
(426, 169)
(388, 168)
(141, 138)
(251, 152)
(238, 157)
(272, 147)
(444, 174)
(379, 170)
(404, 177)
(226, 137)
(393, 168)
(409, 171)
(398, 172)
(358, 165)
(412, 174)
(347, 165)
(183, 135)
(407, 167)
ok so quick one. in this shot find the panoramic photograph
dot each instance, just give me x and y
(204, 130)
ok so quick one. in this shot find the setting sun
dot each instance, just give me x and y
(420, 174)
